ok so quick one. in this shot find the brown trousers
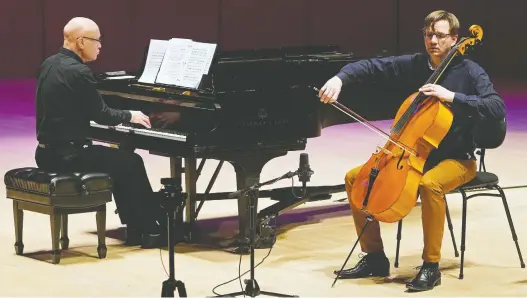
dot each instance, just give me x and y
(435, 183)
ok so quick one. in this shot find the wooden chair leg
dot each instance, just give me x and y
(101, 231)
(18, 215)
(55, 220)
(64, 240)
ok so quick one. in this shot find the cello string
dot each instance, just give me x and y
(357, 117)
(410, 151)
(366, 123)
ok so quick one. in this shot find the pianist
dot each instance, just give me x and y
(66, 101)
(469, 90)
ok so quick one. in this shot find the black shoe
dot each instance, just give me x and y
(370, 265)
(133, 236)
(428, 277)
(156, 240)
(154, 236)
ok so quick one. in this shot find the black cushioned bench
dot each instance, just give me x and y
(58, 194)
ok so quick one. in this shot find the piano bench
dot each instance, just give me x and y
(58, 194)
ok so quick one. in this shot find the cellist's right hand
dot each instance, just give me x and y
(331, 90)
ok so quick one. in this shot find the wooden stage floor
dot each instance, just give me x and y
(314, 239)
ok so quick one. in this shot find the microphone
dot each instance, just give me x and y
(304, 171)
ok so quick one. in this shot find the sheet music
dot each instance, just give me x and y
(175, 61)
(156, 53)
(198, 64)
(179, 62)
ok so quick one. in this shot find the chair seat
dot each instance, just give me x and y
(482, 180)
(58, 189)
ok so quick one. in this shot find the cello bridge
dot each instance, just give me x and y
(386, 151)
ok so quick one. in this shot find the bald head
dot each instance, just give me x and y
(82, 36)
(78, 27)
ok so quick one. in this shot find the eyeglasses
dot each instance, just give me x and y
(93, 39)
(439, 35)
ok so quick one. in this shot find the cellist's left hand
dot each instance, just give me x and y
(437, 91)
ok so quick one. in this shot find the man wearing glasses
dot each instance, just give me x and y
(66, 101)
(468, 89)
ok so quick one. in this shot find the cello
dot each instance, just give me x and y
(386, 187)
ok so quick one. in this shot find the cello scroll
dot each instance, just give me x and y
(466, 42)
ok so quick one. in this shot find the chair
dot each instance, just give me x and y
(488, 134)
(58, 195)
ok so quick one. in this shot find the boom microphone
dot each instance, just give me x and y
(304, 171)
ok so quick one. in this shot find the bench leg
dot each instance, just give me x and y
(18, 215)
(100, 217)
(64, 240)
(55, 220)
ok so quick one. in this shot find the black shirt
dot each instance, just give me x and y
(475, 96)
(67, 99)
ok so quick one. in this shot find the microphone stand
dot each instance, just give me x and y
(173, 204)
(252, 288)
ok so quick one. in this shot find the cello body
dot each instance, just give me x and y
(395, 187)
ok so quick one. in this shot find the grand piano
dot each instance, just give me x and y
(252, 106)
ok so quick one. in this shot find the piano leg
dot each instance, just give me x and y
(176, 167)
(186, 229)
(191, 178)
(248, 169)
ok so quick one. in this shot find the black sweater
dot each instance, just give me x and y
(475, 96)
(67, 99)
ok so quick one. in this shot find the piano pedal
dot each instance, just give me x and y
(265, 238)
(267, 241)
(267, 235)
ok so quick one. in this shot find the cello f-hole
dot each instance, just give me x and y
(399, 166)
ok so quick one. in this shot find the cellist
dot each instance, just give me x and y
(468, 89)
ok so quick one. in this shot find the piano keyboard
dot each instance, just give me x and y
(156, 133)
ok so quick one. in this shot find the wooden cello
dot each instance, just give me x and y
(386, 188)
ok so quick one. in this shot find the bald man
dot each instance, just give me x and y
(66, 101)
